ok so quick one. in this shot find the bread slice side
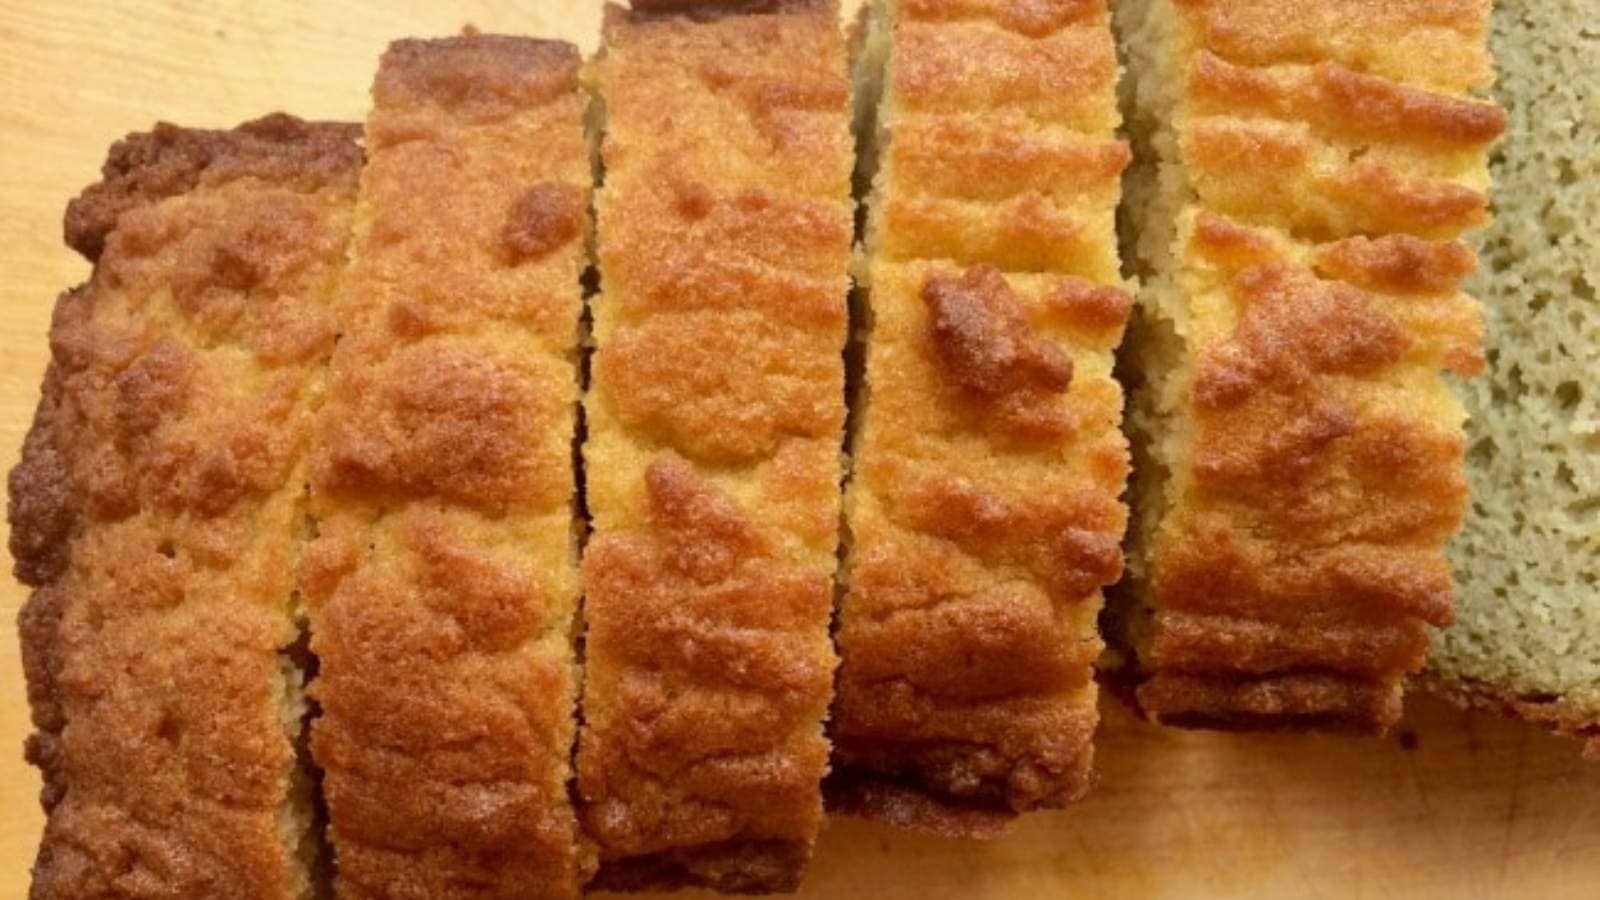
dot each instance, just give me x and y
(714, 412)
(157, 512)
(1526, 640)
(982, 509)
(1304, 175)
(442, 583)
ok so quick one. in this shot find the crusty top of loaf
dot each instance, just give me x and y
(1438, 44)
(983, 510)
(475, 76)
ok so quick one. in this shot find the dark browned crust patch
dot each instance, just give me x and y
(169, 160)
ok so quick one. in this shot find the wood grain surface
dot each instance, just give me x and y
(1453, 806)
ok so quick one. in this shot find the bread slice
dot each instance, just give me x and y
(714, 415)
(1299, 456)
(987, 460)
(443, 580)
(1527, 633)
(157, 513)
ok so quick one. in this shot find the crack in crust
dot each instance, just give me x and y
(154, 512)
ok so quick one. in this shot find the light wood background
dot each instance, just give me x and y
(1455, 806)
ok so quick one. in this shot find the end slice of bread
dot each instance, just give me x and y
(1527, 634)
(158, 513)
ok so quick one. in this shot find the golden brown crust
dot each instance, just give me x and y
(442, 584)
(709, 644)
(155, 511)
(712, 466)
(983, 504)
(1343, 101)
(1315, 455)
(1202, 642)
(1033, 18)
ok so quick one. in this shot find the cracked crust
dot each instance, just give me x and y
(983, 504)
(442, 584)
(155, 511)
(712, 457)
(1288, 566)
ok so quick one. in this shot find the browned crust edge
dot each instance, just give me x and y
(1553, 713)
(1289, 701)
(145, 167)
(729, 867)
(705, 9)
(43, 514)
(905, 804)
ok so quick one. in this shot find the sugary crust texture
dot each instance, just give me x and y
(155, 506)
(442, 583)
(1318, 467)
(712, 456)
(983, 504)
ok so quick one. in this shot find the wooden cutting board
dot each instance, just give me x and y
(1453, 806)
